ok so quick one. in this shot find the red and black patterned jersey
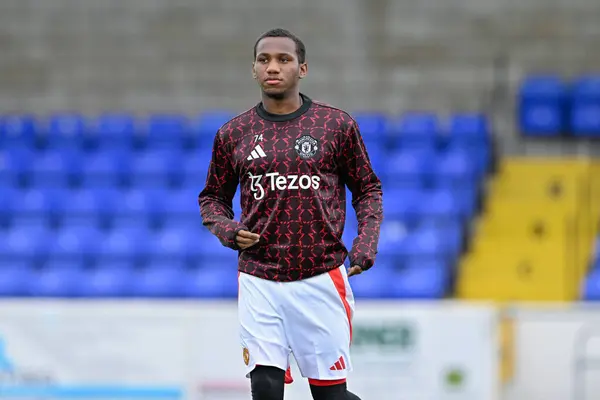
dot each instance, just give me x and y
(293, 171)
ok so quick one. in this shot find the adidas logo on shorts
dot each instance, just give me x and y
(339, 365)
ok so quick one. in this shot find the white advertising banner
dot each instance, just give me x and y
(190, 350)
(425, 351)
(556, 353)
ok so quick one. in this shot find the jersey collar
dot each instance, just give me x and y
(306, 103)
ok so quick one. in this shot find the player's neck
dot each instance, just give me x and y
(287, 105)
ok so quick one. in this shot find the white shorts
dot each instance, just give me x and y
(310, 318)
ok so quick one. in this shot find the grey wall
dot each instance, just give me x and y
(188, 55)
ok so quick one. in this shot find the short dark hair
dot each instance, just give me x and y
(279, 32)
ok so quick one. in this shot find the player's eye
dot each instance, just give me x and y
(285, 60)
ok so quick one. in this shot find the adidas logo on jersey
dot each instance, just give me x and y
(258, 152)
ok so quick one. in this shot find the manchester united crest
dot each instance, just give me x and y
(306, 146)
(246, 355)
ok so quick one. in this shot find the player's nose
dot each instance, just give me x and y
(273, 68)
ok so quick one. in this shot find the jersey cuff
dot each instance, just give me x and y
(234, 244)
(364, 262)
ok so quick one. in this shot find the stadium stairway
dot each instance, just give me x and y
(535, 235)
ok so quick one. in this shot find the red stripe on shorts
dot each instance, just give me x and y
(340, 285)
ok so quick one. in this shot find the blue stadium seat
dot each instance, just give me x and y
(137, 202)
(163, 131)
(591, 286)
(24, 242)
(421, 279)
(409, 168)
(159, 279)
(183, 203)
(56, 168)
(92, 204)
(418, 129)
(65, 130)
(208, 123)
(374, 284)
(446, 203)
(15, 277)
(541, 106)
(8, 202)
(79, 243)
(213, 253)
(392, 238)
(106, 168)
(15, 164)
(19, 130)
(184, 224)
(128, 244)
(585, 107)
(424, 244)
(377, 151)
(348, 238)
(443, 242)
(403, 204)
(194, 168)
(481, 156)
(153, 168)
(471, 130)
(137, 222)
(373, 126)
(41, 203)
(212, 281)
(30, 222)
(236, 205)
(457, 169)
(178, 243)
(112, 130)
(57, 279)
(109, 280)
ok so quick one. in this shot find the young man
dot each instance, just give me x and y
(293, 158)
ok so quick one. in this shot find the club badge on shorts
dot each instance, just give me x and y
(246, 355)
(306, 146)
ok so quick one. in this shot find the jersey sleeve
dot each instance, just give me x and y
(367, 196)
(216, 198)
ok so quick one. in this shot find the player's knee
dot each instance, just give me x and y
(322, 391)
(267, 383)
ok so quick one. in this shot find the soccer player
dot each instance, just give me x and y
(293, 159)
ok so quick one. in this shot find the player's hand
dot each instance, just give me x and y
(354, 270)
(245, 239)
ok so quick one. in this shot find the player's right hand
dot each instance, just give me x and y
(245, 239)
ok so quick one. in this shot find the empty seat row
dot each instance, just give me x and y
(549, 105)
(65, 161)
(161, 127)
(156, 203)
(192, 239)
(418, 279)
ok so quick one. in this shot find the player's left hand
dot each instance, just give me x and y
(354, 270)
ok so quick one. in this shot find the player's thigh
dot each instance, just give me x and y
(319, 325)
(262, 333)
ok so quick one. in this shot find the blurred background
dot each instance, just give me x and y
(482, 119)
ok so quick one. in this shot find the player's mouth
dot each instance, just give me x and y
(273, 81)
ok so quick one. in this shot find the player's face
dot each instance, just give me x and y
(276, 67)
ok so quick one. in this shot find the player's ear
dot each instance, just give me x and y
(253, 71)
(303, 70)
